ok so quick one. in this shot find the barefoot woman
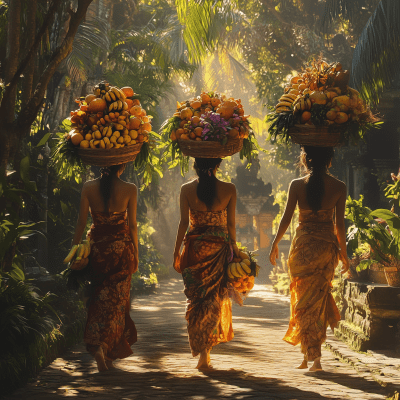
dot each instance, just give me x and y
(110, 330)
(209, 205)
(319, 243)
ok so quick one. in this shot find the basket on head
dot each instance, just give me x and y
(107, 157)
(318, 136)
(210, 149)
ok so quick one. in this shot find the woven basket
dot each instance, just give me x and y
(392, 276)
(107, 157)
(318, 136)
(210, 149)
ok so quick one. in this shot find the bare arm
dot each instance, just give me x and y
(232, 221)
(285, 222)
(341, 229)
(132, 206)
(82, 217)
(183, 224)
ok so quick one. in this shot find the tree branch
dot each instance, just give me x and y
(29, 112)
(12, 53)
(30, 41)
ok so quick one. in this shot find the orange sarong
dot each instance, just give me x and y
(109, 324)
(203, 263)
(313, 257)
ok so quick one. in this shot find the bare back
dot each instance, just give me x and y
(121, 193)
(334, 190)
(224, 193)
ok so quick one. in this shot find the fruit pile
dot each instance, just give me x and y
(319, 96)
(78, 256)
(109, 118)
(210, 116)
(242, 271)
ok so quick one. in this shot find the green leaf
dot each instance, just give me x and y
(24, 169)
(44, 140)
(16, 273)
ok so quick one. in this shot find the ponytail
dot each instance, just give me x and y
(206, 189)
(106, 181)
(315, 161)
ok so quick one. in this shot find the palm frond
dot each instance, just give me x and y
(377, 54)
(206, 24)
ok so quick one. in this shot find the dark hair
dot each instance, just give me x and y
(206, 189)
(106, 180)
(315, 162)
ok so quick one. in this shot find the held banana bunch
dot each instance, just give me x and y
(285, 103)
(239, 269)
(78, 255)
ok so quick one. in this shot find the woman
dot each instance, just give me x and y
(110, 330)
(319, 243)
(209, 204)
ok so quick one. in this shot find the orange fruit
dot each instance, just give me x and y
(195, 120)
(76, 138)
(130, 103)
(197, 114)
(186, 113)
(233, 133)
(128, 91)
(89, 98)
(305, 116)
(205, 98)
(145, 119)
(97, 105)
(195, 104)
(136, 110)
(198, 131)
(147, 126)
(143, 112)
(184, 137)
(140, 138)
(215, 101)
(179, 133)
(85, 144)
(173, 136)
(182, 123)
(192, 135)
(134, 123)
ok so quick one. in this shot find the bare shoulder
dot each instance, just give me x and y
(337, 183)
(297, 183)
(228, 186)
(89, 185)
(130, 186)
(188, 186)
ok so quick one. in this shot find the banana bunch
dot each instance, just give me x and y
(239, 269)
(101, 89)
(78, 255)
(302, 103)
(285, 102)
(115, 99)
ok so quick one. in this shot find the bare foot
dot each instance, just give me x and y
(317, 365)
(204, 361)
(110, 364)
(303, 365)
(101, 362)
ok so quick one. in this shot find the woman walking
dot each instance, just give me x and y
(319, 243)
(209, 205)
(110, 330)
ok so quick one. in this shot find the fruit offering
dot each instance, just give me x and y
(109, 118)
(242, 271)
(210, 116)
(320, 96)
(78, 256)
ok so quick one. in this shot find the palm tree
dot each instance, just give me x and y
(377, 54)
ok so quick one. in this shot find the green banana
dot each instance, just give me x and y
(71, 254)
(80, 251)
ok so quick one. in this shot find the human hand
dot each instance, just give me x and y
(274, 253)
(177, 258)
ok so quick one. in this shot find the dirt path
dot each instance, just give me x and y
(257, 364)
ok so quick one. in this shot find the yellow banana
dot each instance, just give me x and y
(243, 255)
(119, 127)
(283, 103)
(234, 271)
(284, 98)
(106, 140)
(125, 106)
(282, 109)
(290, 95)
(230, 275)
(111, 107)
(240, 270)
(308, 104)
(120, 105)
(246, 261)
(102, 144)
(245, 267)
(71, 253)
(121, 94)
(112, 96)
(115, 105)
(116, 92)
(79, 252)
(108, 97)
(91, 143)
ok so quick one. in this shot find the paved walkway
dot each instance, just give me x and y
(257, 364)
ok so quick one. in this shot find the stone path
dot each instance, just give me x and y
(257, 364)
